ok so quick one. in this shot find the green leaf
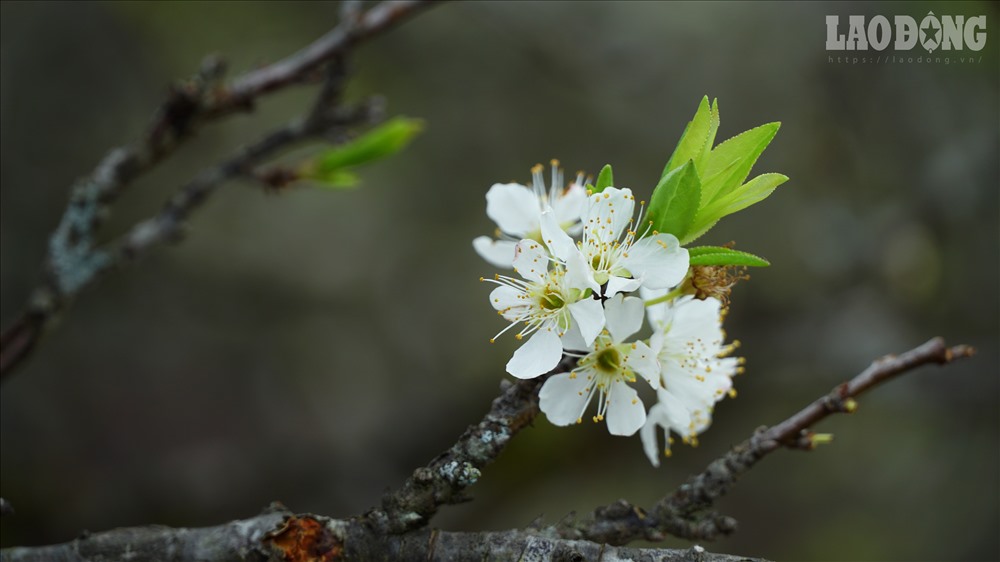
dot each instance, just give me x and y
(718, 255)
(713, 127)
(382, 141)
(698, 228)
(753, 191)
(696, 141)
(604, 179)
(729, 163)
(675, 201)
(339, 179)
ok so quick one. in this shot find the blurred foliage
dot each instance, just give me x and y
(316, 347)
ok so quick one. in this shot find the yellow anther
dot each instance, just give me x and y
(732, 393)
(518, 337)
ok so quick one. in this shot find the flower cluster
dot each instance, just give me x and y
(587, 274)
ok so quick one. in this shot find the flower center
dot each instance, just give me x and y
(552, 301)
(609, 361)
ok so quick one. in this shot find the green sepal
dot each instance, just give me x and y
(675, 202)
(718, 255)
(605, 179)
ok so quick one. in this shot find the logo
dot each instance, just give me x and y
(945, 33)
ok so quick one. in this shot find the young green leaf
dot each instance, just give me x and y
(699, 227)
(333, 168)
(753, 191)
(718, 255)
(604, 179)
(384, 140)
(696, 141)
(675, 201)
(729, 163)
(338, 179)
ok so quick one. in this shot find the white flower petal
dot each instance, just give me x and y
(505, 298)
(695, 320)
(695, 393)
(561, 245)
(579, 274)
(642, 360)
(648, 434)
(618, 285)
(675, 414)
(658, 260)
(623, 316)
(513, 207)
(497, 252)
(588, 315)
(539, 355)
(570, 205)
(573, 339)
(563, 398)
(658, 312)
(608, 213)
(530, 260)
(626, 413)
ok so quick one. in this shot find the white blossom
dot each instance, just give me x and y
(547, 302)
(617, 255)
(517, 210)
(606, 372)
(695, 371)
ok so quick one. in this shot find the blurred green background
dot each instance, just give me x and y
(314, 347)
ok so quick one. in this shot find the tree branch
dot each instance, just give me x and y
(397, 530)
(73, 262)
(444, 479)
(278, 535)
(685, 513)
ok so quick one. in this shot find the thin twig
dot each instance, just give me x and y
(74, 261)
(686, 512)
